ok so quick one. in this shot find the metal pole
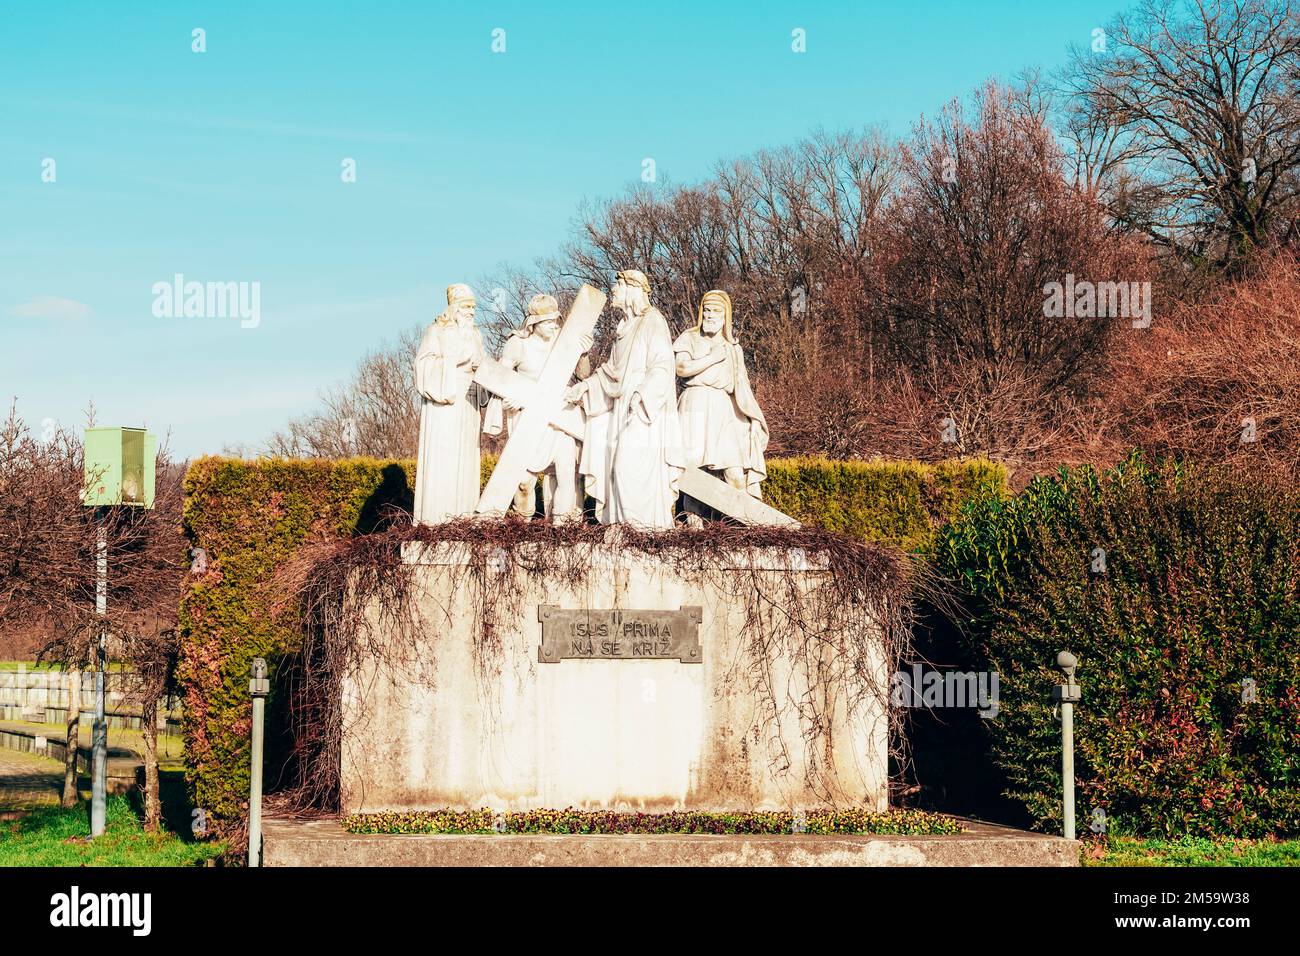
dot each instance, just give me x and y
(99, 742)
(1067, 695)
(259, 687)
(1067, 765)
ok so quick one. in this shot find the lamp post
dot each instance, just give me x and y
(119, 471)
(1066, 696)
(99, 730)
(259, 687)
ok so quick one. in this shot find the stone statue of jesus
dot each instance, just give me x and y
(632, 449)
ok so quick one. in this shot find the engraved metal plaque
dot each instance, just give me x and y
(619, 635)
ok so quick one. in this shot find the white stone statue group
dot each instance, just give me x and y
(622, 434)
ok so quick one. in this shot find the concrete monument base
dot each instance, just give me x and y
(633, 685)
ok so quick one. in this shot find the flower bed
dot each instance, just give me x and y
(569, 820)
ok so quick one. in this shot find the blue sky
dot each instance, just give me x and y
(225, 165)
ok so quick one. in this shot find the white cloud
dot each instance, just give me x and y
(51, 308)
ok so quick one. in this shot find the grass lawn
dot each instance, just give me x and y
(1190, 851)
(171, 749)
(51, 836)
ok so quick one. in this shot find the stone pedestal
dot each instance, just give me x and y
(477, 717)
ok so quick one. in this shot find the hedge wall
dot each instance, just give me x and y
(1179, 591)
(250, 516)
(893, 502)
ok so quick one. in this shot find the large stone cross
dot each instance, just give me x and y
(733, 502)
(540, 402)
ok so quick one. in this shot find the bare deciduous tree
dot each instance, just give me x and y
(376, 413)
(1188, 119)
(1220, 379)
(986, 219)
(48, 549)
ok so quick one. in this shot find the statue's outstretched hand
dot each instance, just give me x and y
(574, 395)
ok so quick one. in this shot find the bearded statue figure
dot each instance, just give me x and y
(723, 429)
(447, 469)
(631, 448)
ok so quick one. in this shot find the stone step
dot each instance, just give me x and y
(325, 843)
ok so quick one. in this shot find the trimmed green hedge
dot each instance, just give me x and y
(892, 502)
(250, 517)
(1174, 587)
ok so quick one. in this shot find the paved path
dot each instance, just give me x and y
(28, 780)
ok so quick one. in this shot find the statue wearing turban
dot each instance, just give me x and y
(723, 429)
(447, 470)
(526, 351)
(631, 450)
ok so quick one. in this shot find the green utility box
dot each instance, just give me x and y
(120, 467)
